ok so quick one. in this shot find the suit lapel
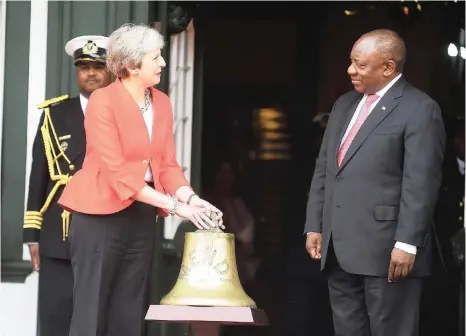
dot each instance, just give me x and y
(348, 114)
(383, 108)
(125, 103)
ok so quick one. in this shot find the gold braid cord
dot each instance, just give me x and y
(53, 151)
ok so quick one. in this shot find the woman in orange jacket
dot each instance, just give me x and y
(129, 168)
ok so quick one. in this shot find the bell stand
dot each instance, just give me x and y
(206, 321)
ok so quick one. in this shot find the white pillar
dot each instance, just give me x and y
(18, 303)
(181, 67)
(37, 75)
(2, 75)
(36, 94)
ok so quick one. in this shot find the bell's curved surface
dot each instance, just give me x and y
(208, 274)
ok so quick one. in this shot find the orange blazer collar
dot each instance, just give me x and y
(122, 97)
(125, 98)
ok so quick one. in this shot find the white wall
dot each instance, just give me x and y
(18, 302)
(18, 308)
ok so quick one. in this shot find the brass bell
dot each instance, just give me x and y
(208, 274)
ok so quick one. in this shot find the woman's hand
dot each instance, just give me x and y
(196, 215)
(199, 202)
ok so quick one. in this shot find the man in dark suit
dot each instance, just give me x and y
(374, 191)
(57, 153)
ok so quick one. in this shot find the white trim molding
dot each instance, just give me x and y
(181, 67)
(37, 76)
(3, 4)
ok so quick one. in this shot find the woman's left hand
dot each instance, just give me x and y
(199, 202)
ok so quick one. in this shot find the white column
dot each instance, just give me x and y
(2, 75)
(181, 95)
(19, 315)
(37, 75)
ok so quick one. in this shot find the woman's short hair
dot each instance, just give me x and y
(127, 46)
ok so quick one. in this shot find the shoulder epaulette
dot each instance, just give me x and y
(52, 101)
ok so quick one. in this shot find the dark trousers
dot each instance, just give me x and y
(371, 306)
(111, 255)
(55, 296)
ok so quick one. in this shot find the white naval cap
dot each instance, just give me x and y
(88, 48)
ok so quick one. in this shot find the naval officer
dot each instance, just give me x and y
(57, 153)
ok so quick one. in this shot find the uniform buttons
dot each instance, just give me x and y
(71, 167)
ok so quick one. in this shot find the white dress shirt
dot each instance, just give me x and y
(148, 118)
(83, 100)
(400, 245)
(380, 94)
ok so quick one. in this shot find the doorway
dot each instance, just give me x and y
(267, 74)
(257, 111)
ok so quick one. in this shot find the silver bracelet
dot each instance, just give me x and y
(172, 212)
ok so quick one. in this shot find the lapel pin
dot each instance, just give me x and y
(383, 108)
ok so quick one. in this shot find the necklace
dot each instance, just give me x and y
(146, 105)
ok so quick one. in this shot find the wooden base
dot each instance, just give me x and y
(206, 321)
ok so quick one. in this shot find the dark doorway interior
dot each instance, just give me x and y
(256, 86)
(268, 70)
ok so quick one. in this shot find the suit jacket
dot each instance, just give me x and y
(64, 118)
(119, 151)
(386, 187)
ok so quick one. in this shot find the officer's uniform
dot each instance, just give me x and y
(57, 153)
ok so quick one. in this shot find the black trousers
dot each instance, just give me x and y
(55, 296)
(111, 256)
(371, 306)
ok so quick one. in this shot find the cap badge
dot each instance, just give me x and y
(90, 48)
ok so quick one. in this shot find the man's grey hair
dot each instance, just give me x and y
(127, 46)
